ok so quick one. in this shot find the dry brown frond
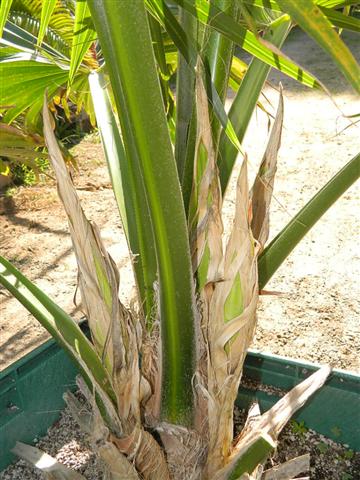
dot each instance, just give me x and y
(206, 226)
(262, 189)
(114, 334)
(232, 319)
(288, 470)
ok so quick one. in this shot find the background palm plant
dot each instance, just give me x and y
(171, 370)
(38, 50)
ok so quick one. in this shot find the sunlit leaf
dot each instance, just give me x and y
(311, 19)
(4, 11)
(84, 35)
(46, 12)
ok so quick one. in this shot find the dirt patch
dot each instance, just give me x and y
(317, 316)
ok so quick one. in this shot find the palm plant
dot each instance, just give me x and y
(162, 379)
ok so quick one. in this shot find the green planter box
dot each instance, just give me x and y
(31, 396)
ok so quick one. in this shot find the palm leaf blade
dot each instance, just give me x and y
(311, 19)
(4, 11)
(83, 36)
(242, 37)
(46, 12)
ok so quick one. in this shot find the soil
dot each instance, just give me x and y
(316, 317)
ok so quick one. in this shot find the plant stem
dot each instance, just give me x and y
(126, 42)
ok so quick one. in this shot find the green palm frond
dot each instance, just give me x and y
(55, 58)
(32, 25)
(61, 20)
